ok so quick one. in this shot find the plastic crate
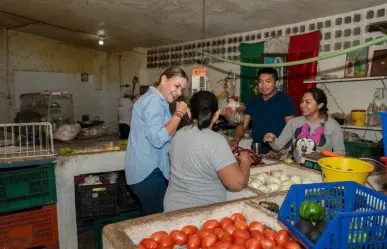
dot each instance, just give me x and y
(54, 245)
(24, 188)
(100, 223)
(364, 150)
(346, 204)
(96, 200)
(34, 228)
(126, 201)
(383, 115)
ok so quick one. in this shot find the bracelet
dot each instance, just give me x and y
(179, 114)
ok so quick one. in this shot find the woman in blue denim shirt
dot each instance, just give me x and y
(152, 127)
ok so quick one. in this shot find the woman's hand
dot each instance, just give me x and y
(269, 137)
(245, 156)
(181, 106)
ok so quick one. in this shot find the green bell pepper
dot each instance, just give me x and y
(311, 211)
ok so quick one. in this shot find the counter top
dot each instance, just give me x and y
(92, 145)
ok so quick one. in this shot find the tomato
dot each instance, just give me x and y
(278, 247)
(281, 237)
(230, 229)
(241, 225)
(227, 237)
(208, 241)
(211, 224)
(194, 241)
(267, 244)
(165, 247)
(241, 233)
(292, 245)
(219, 232)
(179, 237)
(256, 226)
(253, 244)
(237, 247)
(139, 246)
(238, 216)
(226, 221)
(158, 235)
(189, 230)
(240, 241)
(269, 234)
(149, 243)
(257, 235)
(222, 245)
(203, 233)
(166, 241)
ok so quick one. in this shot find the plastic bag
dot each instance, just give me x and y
(234, 112)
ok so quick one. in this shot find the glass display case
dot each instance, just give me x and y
(54, 107)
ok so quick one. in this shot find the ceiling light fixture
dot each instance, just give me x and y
(100, 42)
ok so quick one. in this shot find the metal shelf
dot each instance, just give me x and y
(345, 80)
(370, 128)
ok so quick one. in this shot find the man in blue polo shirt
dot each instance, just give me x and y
(269, 112)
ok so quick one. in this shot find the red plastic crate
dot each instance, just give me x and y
(35, 228)
(54, 245)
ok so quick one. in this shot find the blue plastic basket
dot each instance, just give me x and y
(383, 115)
(346, 204)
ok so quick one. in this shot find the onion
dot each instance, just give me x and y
(276, 174)
(272, 179)
(284, 177)
(264, 189)
(273, 187)
(296, 179)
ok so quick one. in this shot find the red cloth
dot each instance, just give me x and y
(302, 47)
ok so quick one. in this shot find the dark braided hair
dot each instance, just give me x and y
(321, 98)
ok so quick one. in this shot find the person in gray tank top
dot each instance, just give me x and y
(202, 163)
(314, 131)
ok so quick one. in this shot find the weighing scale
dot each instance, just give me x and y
(310, 160)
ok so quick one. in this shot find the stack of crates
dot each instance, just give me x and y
(28, 213)
(103, 204)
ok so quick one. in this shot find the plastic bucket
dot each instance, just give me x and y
(358, 117)
(338, 169)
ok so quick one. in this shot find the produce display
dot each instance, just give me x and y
(228, 233)
(275, 181)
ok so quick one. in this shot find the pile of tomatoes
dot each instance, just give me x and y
(228, 233)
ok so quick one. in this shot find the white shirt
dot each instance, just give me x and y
(125, 111)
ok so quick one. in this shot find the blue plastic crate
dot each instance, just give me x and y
(351, 211)
(383, 115)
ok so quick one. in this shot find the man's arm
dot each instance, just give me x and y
(241, 128)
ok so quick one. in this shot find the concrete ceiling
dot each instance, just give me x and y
(147, 23)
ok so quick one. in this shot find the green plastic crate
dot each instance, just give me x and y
(23, 188)
(101, 222)
(364, 150)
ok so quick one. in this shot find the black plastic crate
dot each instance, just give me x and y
(126, 201)
(96, 200)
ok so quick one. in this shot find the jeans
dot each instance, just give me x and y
(150, 192)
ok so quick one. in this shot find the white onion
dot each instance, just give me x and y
(286, 183)
(277, 174)
(284, 177)
(284, 187)
(255, 185)
(273, 187)
(264, 189)
(272, 179)
(296, 179)
(261, 178)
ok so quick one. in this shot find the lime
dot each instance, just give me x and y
(62, 151)
(68, 149)
(125, 142)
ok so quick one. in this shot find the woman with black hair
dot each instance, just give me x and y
(202, 163)
(311, 132)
